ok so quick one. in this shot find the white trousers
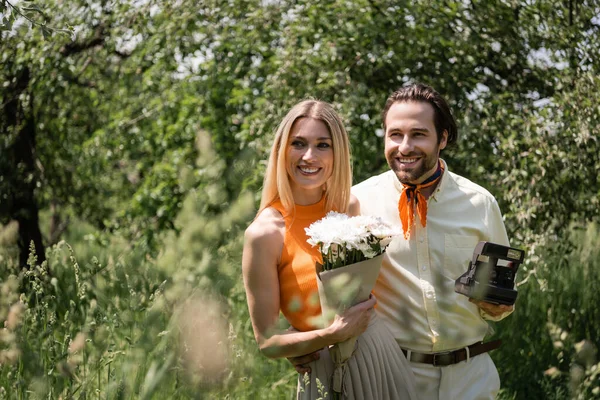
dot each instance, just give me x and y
(475, 379)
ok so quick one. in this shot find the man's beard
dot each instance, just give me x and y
(426, 166)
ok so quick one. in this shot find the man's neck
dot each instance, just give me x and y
(428, 191)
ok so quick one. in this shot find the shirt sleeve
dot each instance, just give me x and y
(495, 224)
(497, 234)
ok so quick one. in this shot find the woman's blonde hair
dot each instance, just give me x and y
(276, 184)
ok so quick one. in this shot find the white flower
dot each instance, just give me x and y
(345, 240)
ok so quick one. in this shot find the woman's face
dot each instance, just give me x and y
(309, 159)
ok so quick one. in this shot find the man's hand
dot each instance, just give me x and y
(493, 310)
(301, 362)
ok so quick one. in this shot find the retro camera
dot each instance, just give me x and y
(491, 274)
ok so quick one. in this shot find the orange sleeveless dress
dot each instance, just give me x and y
(299, 297)
(378, 369)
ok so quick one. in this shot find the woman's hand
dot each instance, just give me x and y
(354, 321)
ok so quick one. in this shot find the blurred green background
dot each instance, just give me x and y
(133, 139)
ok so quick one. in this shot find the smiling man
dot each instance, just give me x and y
(443, 217)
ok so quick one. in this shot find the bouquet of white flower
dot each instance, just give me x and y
(352, 249)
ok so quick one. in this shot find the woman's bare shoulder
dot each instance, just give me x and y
(268, 225)
(263, 240)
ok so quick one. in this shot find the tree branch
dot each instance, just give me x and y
(75, 48)
(121, 54)
(75, 80)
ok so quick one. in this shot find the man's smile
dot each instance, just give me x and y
(407, 160)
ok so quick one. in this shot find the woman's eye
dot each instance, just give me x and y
(324, 145)
(297, 143)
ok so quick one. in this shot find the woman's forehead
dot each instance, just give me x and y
(310, 128)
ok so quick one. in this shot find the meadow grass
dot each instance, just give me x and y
(103, 320)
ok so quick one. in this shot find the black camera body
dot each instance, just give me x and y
(491, 274)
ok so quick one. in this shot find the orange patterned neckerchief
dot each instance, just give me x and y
(411, 196)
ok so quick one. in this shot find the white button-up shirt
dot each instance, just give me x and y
(415, 289)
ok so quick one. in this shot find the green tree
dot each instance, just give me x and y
(96, 125)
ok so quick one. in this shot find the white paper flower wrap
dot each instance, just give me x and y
(352, 250)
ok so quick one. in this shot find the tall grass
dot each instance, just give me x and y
(102, 320)
(551, 340)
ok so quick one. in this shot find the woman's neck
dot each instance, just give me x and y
(306, 197)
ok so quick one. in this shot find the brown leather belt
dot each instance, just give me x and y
(452, 357)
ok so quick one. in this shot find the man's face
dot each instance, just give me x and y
(411, 142)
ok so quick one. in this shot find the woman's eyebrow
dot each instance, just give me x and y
(299, 136)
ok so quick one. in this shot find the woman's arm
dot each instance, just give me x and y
(262, 247)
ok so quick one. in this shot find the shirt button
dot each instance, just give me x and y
(424, 267)
(429, 295)
(421, 240)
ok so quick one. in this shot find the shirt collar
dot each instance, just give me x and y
(443, 182)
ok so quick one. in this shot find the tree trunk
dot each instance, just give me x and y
(29, 231)
(58, 225)
(21, 154)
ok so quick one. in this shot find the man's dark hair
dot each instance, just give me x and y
(419, 92)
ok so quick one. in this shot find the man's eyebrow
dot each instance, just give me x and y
(417, 129)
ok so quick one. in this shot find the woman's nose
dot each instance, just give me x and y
(308, 154)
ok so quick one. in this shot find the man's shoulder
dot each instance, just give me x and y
(469, 187)
(371, 183)
(375, 193)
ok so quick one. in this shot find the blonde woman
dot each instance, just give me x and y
(309, 174)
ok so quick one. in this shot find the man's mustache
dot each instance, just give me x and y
(409, 155)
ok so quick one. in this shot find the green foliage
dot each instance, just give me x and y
(550, 342)
(545, 158)
(124, 325)
(149, 129)
(30, 12)
(66, 328)
(140, 81)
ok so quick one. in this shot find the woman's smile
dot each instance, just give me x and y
(309, 170)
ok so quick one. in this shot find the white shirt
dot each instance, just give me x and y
(415, 289)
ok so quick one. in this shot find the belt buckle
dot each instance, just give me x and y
(443, 359)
